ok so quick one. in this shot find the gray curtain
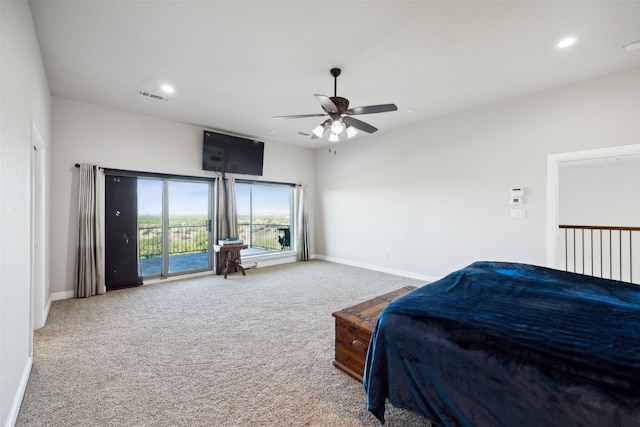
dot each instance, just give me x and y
(226, 212)
(302, 224)
(89, 278)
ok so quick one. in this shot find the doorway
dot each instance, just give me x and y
(554, 163)
(174, 226)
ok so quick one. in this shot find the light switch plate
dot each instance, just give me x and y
(518, 213)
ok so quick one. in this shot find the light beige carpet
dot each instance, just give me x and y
(245, 351)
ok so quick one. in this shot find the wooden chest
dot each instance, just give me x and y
(354, 326)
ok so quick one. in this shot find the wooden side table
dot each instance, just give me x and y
(230, 255)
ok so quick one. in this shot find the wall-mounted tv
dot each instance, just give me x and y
(226, 153)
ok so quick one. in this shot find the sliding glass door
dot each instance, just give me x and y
(174, 226)
(150, 230)
(188, 231)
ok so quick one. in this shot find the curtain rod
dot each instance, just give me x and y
(243, 181)
(78, 165)
(141, 174)
(253, 181)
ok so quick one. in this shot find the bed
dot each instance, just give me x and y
(506, 344)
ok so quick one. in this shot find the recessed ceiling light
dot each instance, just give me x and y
(632, 46)
(167, 88)
(566, 42)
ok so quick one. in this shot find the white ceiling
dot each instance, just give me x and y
(235, 64)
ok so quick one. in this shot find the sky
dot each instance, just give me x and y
(185, 198)
(266, 200)
(190, 198)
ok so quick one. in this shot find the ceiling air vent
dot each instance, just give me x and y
(154, 96)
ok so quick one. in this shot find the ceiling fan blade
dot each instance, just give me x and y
(370, 109)
(359, 124)
(327, 104)
(300, 116)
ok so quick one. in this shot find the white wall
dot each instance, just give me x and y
(25, 102)
(604, 193)
(435, 196)
(120, 140)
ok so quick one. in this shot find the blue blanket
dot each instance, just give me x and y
(505, 344)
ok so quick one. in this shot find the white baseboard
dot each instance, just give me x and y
(12, 416)
(62, 295)
(402, 273)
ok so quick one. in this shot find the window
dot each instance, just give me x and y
(265, 216)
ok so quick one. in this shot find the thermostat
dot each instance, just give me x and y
(517, 192)
(516, 200)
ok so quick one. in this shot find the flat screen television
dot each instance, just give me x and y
(226, 153)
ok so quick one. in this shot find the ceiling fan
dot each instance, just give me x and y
(340, 115)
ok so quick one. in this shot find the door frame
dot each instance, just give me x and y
(40, 299)
(554, 162)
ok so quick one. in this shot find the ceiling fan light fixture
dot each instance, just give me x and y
(351, 132)
(318, 131)
(333, 137)
(337, 127)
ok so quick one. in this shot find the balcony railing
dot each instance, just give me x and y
(602, 251)
(272, 237)
(183, 239)
(187, 239)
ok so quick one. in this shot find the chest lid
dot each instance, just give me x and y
(366, 313)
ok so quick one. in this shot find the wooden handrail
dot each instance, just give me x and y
(603, 227)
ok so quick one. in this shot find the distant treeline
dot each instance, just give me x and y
(186, 220)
